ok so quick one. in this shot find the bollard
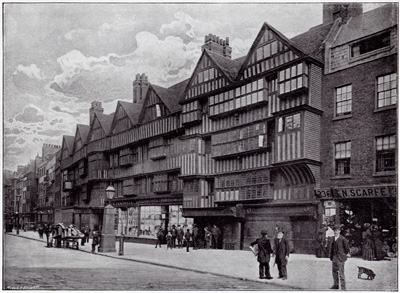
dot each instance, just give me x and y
(121, 245)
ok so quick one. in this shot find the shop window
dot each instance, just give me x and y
(343, 100)
(387, 90)
(342, 158)
(370, 44)
(386, 153)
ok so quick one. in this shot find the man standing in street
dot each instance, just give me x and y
(195, 236)
(264, 254)
(281, 254)
(216, 233)
(338, 249)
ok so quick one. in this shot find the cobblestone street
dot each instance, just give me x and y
(42, 268)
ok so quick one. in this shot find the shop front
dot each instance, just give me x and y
(140, 219)
(241, 224)
(359, 208)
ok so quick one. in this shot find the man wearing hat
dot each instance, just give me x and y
(264, 253)
(281, 254)
(338, 248)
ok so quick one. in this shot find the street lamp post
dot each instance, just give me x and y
(107, 232)
(18, 198)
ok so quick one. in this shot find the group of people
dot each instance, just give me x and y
(337, 249)
(178, 237)
(54, 235)
(280, 252)
(367, 243)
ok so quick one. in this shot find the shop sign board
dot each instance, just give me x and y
(357, 192)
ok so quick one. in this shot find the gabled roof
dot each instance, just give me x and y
(279, 36)
(84, 131)
(132, 110)
(228, 66)
(105, 121)
(368, 23)
(69, 142)
(172, 95)
(310, 42)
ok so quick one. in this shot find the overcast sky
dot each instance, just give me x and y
(60, 57)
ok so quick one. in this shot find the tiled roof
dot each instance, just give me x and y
(69, 141)
(310, 42)
(228, 66)
(172, 95)
(367, 24)
(105, 121)
(132, 110)
(84, 131)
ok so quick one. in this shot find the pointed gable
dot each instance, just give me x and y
(81, 134)
(125, 117)
(208, 75)
(100, 126)
(269, 50)
(153, 106)
(67, 146)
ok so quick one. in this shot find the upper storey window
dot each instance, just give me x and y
(387, 90)
(239, 97)
(343, 100)
(293, 78)
(386, 153)
(370, 44)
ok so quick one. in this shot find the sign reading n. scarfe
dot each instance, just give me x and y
(357, 192)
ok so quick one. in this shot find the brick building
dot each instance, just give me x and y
(359, 123)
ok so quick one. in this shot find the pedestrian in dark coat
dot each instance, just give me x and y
(338, 248)
(195, 236)
(173, 236)
(281, 254)
(179, 236)
(264, 254)
(216, 233)
(187, 239)
(47, 231)
(160, 237)
(95, 240)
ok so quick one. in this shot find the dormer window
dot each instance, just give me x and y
(158, 110)
(370, 44)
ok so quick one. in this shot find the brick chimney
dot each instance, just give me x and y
(217, 45)
(140, 87)
(332, 11)
(96, 108)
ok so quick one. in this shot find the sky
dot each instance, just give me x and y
(58, 58)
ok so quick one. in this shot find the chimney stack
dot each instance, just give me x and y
(333, 11)
(96, 108)
(216, 45)
(140, 87)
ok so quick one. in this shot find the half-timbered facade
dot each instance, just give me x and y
(255, 125)
(145, 162)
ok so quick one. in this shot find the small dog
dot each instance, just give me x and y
(370, 273)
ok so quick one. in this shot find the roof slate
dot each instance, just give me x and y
(367, 24)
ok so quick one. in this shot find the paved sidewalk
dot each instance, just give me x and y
(305, 272)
